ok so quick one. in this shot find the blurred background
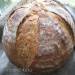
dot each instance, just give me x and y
(6, 6)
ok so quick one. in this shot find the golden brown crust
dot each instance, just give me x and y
(38, 38)
(27, 41)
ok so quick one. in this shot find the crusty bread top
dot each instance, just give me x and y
(51, 6)
(37, 30)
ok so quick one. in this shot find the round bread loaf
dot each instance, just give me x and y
(39, 35)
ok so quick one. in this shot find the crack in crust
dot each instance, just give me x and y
(27, 41)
